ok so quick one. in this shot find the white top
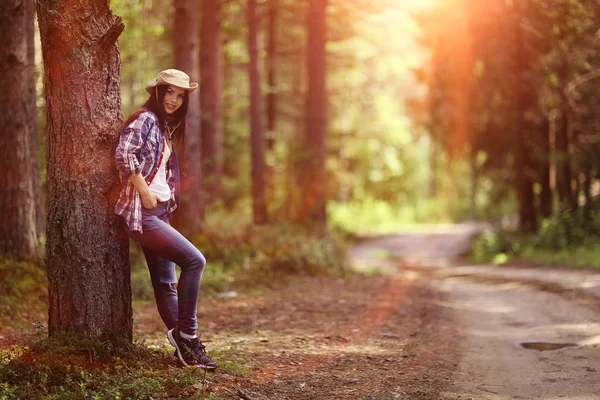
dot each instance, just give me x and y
(159, 184)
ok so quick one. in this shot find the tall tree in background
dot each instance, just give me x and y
(563, 131)
(544, 167)
(257, 141)
(20, 172)
(34, 147)
(211, 84)
(313, 175)
(525, 100)
(271, 74)
(187, 47)
(271, 63)
(87, 250)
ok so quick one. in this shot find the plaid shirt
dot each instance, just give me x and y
(140, 150)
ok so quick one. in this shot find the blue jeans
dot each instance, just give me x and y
(164, 247)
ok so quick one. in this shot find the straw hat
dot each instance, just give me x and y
(173, 77)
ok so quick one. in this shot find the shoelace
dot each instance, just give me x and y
(197, 347)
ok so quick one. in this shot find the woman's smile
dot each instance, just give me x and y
(173, 99)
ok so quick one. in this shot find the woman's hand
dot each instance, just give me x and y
(149, 200)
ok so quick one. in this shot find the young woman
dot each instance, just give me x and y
(150, 195)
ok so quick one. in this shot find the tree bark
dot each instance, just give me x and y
(526, 99)
(40, 206)
(257, 140)
(271, 64)
(187, 48)
(587, 190)
(563, 163)
(18, 232)
(313, 176)
(211, 82)
(544, 169)
(87, 249)
(527, 211)
(271, 77)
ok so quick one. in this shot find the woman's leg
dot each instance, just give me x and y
(166, 242)
(164, 282)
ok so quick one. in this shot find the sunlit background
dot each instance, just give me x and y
(438, 110)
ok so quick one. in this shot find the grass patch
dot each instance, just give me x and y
(584, 256)
(24, 291)
(68, 367)
(504, 247)
(234, 369)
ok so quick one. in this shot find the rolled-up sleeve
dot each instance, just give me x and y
(132, 139)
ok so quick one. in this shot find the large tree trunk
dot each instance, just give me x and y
(211, 82)
(257, 141)
(187, 48)
(18, 233)
(313, 175)
(87, 249)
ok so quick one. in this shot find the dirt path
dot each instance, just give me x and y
(375, 337)
(427, 329)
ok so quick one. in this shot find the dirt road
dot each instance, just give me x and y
(524, 332)
(428, 328)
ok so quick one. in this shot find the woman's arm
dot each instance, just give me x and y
(130, 145)
(127, 153)
(149, 198)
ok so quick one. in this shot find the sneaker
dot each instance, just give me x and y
(191, 352)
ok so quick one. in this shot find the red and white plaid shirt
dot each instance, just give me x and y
(140, 150)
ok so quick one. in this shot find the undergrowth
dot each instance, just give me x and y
(71, 367)
(24, 290)
(565, 239)
(246, 257)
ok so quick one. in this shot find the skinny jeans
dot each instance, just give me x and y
(164, 247)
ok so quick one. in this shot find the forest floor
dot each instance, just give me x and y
(425, 326)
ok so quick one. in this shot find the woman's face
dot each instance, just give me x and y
(173, 99)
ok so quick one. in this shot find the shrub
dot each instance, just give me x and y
(260, 253)
(488, 244)
(562, 230)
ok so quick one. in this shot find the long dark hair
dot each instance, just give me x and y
(177, 119)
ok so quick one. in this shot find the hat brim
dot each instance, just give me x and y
(160, 81)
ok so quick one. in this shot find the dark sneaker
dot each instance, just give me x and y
(191, 352)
